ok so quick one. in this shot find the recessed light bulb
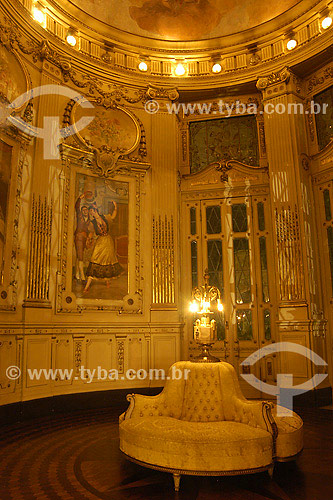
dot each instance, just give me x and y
(291, 44)
(180, 70)
(143, 66)
(38, 15)
(217, 68)
(326, 23)
(71, 40)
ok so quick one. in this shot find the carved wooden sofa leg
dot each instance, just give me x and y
(176, 480)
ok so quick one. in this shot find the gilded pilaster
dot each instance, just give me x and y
(164, 209)
(291, 195)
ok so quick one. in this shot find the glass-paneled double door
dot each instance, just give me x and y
(231, 237)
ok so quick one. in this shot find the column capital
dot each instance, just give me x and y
(280, 82)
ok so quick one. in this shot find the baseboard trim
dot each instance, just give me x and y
(67, 403)
(314, 399)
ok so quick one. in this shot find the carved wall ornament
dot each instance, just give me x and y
(114, 133)
(305, 159)
(77, 356)
(320, 77)
(162, 93)
(121, 355)
(277, 77)
(224, 166)
(254, 59)
(310, 119)
(262, 139)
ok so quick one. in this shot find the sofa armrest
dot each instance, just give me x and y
(256, 414)
(145, 406)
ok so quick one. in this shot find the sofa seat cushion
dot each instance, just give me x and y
(290, 435)
(195, 446)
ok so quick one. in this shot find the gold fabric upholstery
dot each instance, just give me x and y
(204, 423)
(290, 435)
(208, 446)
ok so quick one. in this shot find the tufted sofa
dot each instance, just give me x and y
(201, 424)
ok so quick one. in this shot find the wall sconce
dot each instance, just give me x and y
(326, 22)
(180, 70)
(143, 66)
(204, 298)
(38, 14)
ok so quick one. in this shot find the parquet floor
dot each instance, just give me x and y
(76, 456)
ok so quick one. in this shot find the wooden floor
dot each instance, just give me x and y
(76, 457)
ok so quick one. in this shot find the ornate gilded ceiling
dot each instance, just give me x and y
(183, 20)
(244, 39)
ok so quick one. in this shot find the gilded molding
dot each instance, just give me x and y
(310, 119)
(73, 158)
(224, 166)
(121, 355)
(121, 51)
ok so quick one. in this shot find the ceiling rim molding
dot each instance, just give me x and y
(241, 73)
(280, 22)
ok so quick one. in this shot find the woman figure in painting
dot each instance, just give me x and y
(103, 263)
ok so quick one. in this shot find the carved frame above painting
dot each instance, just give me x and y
(115, 133)
(101, 262)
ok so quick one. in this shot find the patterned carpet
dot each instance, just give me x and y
(76, 456)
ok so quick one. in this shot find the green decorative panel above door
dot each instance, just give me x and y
(233, 138)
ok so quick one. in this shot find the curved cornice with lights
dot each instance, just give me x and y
(242, 57)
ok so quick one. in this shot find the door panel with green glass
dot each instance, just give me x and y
(230, 238)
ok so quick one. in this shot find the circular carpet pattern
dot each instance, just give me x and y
(77, 457)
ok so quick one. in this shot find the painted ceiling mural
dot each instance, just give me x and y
(183, 19)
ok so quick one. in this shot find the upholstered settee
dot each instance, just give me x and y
(201, 424)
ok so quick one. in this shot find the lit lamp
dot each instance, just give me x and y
(204, 298)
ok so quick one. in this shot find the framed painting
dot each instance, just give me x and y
(100, 265)
(100, 250)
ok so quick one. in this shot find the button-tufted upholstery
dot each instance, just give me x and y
(203, 424)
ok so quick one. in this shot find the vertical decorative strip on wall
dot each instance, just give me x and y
(163, 260)
(289, 254)
(40, 246)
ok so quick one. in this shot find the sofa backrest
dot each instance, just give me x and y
(208, 393)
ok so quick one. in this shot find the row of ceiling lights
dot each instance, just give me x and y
(179, 68)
